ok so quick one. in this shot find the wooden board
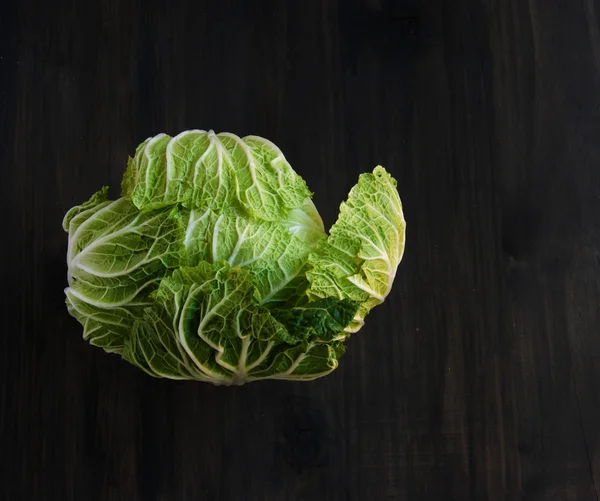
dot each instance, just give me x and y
(478, 379)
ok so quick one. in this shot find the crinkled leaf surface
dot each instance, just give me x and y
(206, 170)
(360, 257)
(207, 324)
(272, 252)
(214, 264)
(118, 254)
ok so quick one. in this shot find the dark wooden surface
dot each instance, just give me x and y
(480, 376)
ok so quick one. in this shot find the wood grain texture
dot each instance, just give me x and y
(478, 379)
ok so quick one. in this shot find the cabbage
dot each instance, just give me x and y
(214, 264)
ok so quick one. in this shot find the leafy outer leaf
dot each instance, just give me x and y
(119, 254)
(274, 253)
(116, 256)
(208, 325)
(155, 349)
(360, 257)
(206, 170)
(80, 213)
(215, 314)
(303, 362)
(107, 328)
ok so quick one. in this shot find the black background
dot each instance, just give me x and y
(478, 379)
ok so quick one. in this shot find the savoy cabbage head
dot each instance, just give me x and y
(214, 264)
